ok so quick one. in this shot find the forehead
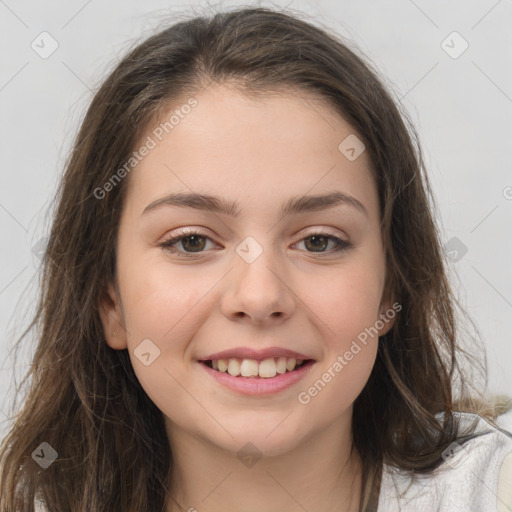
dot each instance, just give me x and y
(267, 147)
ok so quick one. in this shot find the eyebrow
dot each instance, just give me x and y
(294, 205)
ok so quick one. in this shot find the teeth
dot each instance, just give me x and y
(281, 365)
(267, 368)
(290, 364)
(249, 368)
(234, 367)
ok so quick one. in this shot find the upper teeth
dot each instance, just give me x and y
(251, 367)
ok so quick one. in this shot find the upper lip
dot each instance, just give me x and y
(250, 353)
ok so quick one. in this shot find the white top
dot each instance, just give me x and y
(474, 477)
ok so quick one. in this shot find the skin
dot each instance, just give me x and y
(260, 153)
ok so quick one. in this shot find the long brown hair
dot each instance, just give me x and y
(84, 399)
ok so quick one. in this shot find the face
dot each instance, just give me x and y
(308, 282)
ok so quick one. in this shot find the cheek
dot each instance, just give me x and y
(160, 303)
(347, 300)
(337, 382)
(348, 309)
(346, 306)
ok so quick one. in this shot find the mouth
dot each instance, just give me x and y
(256, 369)
(253, 377)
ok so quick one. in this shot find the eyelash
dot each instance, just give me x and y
(341, 245)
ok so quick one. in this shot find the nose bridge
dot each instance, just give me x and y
(258, 265)
(258, 288)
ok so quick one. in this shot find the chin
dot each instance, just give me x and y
(267, 439)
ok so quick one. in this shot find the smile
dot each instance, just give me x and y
(253, 377)
(266, 369)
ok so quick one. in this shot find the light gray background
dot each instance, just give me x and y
(462, 108)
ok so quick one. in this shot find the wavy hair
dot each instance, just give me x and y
(84, 399)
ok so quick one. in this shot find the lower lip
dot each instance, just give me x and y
(259, 385)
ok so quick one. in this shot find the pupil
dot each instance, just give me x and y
(194, 242)
(195, 239)
(318, 238)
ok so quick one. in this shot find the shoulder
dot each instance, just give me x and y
(475, 475)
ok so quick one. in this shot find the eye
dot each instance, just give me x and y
(189, 239)
(193, 242)
(319, 241)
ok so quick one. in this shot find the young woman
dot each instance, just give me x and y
(245, 304)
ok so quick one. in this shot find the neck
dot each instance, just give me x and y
(320, 474)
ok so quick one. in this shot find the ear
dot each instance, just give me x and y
(112, 319)
(387, 314)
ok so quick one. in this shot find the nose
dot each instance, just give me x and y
(260, 292)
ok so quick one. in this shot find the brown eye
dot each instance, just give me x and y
(194, 243)
(319, 242)
(191, 243)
